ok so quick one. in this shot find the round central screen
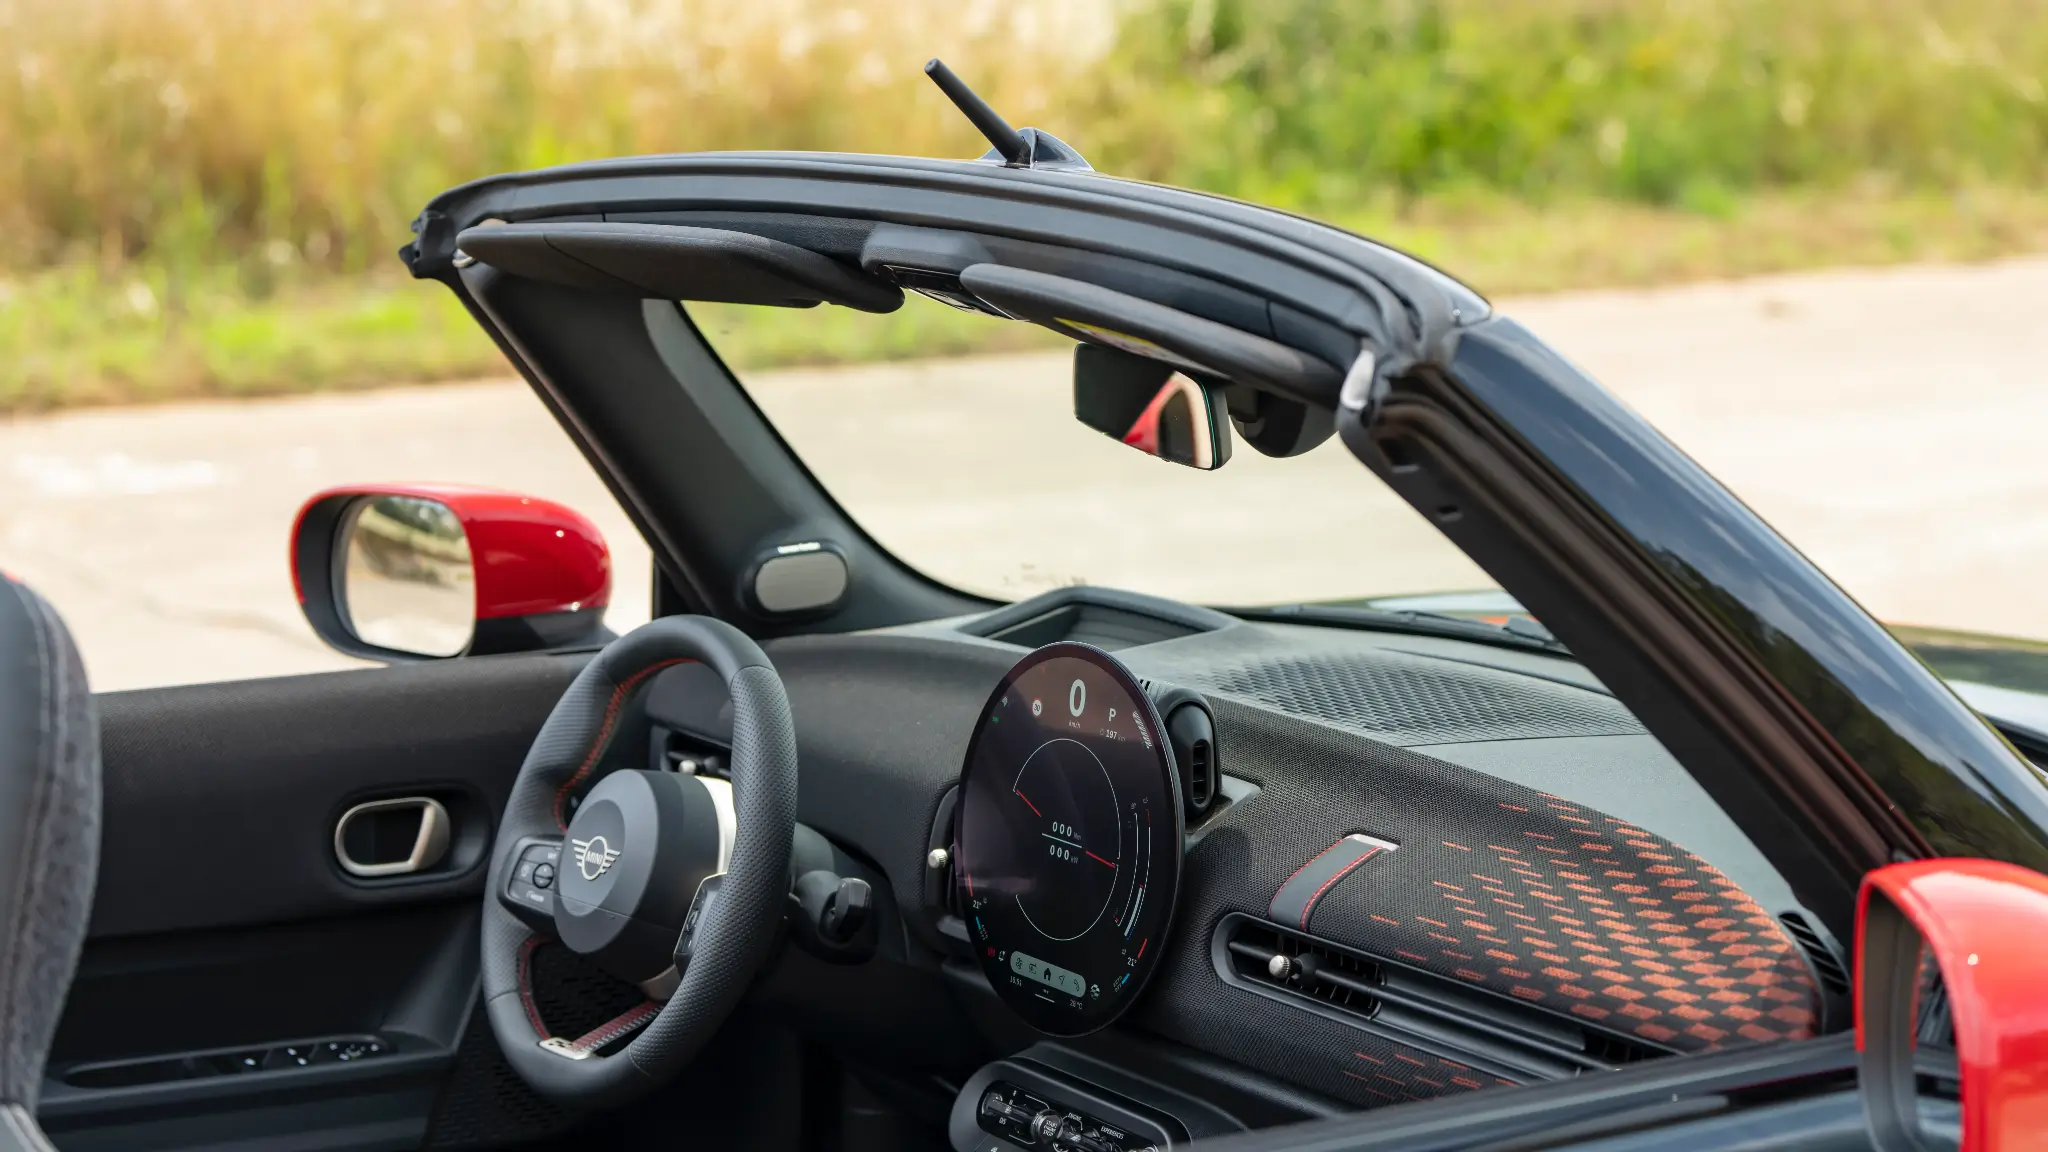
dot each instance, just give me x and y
(1069, 839)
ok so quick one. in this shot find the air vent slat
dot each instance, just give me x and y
(1826, 968)
(1415, 1007)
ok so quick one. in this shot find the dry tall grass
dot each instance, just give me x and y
(197, 129)
(272, 129)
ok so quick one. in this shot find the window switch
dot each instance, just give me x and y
(346, 1051)
(229, 1063)
(289, 1056)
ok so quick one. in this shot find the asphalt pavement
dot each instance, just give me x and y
(1891, 424)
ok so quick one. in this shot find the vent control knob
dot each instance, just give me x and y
(1282, 967)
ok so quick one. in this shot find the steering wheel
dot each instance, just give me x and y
(673, 882)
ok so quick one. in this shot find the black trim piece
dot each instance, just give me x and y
(294, 1058)
(672, 262)
(1481, 1119)
(1890, 969)
(1413, 307)
(1075, 308)
(1143, 619)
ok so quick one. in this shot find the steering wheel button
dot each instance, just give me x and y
(543, 875)
(523, 872)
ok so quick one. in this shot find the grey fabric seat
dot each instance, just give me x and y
(49, 843)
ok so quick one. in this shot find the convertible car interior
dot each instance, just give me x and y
(831, 855)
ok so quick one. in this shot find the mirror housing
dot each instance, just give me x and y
(1982, 921)
(1151, 406)
(402, 572)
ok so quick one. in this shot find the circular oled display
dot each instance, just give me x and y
(1068, 839)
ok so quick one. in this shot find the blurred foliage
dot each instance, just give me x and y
(1314, 104)
(203, 196)
(73, 335)
(194, 130)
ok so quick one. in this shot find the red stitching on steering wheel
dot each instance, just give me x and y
(616, 1027)
(604, 735)
(526, 950)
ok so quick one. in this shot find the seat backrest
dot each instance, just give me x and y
(49, 842)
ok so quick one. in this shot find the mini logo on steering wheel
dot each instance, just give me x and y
(593, 856)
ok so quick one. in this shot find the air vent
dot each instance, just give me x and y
(1417, 1008)
(1267, 955)
(1825, 967)
(1201, 775)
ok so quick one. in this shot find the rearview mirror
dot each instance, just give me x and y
(405, 572)
(1150, 406)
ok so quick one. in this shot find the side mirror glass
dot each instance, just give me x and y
(1150, 406)
(405, 579)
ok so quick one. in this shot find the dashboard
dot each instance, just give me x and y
(1400, 867)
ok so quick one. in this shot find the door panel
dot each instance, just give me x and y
(225, 933)
(221, 799)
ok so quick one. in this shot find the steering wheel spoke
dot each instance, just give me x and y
(703, 909)
(529, 888)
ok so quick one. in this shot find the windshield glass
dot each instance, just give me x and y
(959, 452)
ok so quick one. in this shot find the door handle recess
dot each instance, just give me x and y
(392, 837)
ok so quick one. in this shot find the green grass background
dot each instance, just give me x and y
(201, 197)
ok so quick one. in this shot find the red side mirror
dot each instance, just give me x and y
(409, 571)
(1986, 925)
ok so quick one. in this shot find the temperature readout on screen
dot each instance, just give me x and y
(1050, 975)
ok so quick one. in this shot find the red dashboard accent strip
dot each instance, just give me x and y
(1339, 874)
(1295, 900)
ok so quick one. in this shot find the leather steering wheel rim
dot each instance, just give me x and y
(731, 944)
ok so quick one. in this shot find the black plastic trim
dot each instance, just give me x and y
(1180, 619)
(1484, 1119)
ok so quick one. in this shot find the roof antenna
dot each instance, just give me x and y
(1016, 148)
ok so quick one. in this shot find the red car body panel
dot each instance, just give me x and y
(531, 556)
(1986, 923)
